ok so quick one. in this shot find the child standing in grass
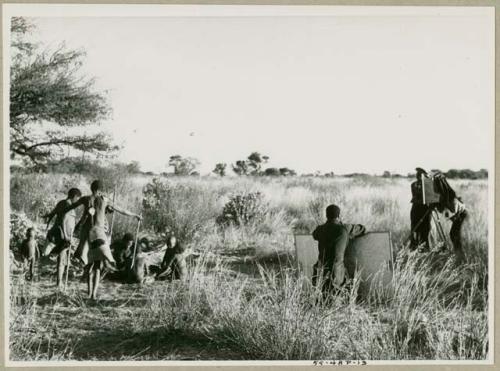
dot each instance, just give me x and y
(29, 250)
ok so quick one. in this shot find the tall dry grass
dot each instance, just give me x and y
(433, 309)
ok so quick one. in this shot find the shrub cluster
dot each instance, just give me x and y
(243, 209)
(184, 209)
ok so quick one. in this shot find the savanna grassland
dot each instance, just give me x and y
(243, 298)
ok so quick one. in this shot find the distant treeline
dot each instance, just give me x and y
(450, 174)
(78, 165)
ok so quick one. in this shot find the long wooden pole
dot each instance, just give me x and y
(135, 243)
(112, 217)
(68, 265)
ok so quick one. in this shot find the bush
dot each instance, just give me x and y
(243, 209)
(19, 224)
(183, 209)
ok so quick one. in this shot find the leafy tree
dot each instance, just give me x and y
(386, 174)
(252, 165)
(134, 167)
(241, 167)
(183, 165)
(220, 169)
(48, 97)
(272, 171)
(255, 162)
(287, 172)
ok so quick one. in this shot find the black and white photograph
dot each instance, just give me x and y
(248, 184)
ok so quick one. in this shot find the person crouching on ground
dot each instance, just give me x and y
(137, 265)
(93, 232)
(60, 236)
(30, 253)
(122, 251)
(174, 264)
(333, 237)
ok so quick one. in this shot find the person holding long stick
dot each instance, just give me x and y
(94, 249)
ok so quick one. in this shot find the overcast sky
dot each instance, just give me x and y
(342, 93)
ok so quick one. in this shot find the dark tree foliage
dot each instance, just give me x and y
(466, 174)
(241, 167)
(49, 96)
(220, 169)
(183, 165)
(272, 171)
(251, 166)
(284, 171)
(255, 162)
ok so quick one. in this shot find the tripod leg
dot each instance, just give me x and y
(440, 229)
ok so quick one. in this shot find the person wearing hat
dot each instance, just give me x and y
(420, 216)
(333, 237)
(93, 249)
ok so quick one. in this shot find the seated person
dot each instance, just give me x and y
(136, 266)
(174, 264)
(122, 249)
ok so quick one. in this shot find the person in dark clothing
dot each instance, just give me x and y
(453, 209)
(174, 264)
(420, 214)
(333, 237)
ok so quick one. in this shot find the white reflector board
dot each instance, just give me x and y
(370, 254)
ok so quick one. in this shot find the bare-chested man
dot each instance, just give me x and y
(60, 236)
(93, 233)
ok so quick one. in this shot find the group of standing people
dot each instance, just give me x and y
(95, 250)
